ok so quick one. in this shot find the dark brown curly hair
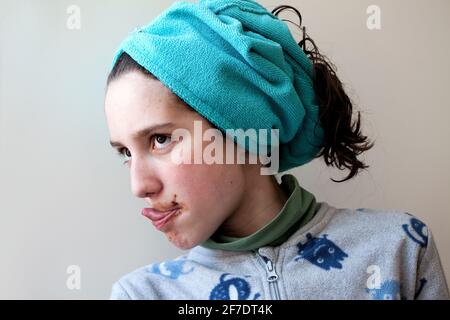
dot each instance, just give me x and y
(343, 139)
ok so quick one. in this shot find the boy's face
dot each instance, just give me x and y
(207, 193)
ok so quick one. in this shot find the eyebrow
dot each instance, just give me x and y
(143, 132)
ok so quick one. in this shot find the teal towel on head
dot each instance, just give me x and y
(238, 66)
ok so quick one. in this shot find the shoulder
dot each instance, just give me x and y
(144, 282)
(384, 225)
(373, 218)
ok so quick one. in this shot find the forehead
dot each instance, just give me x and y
(136, 92)
(136, 101)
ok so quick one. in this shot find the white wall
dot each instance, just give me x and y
(66, 198)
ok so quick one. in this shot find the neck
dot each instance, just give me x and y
(263, 200)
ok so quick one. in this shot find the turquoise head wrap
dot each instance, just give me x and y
(238, 66)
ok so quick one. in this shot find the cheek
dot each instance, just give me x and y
(207, 187)
(211, 193)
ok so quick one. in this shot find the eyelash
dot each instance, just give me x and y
(120, 151)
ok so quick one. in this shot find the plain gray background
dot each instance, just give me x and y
(66, 198)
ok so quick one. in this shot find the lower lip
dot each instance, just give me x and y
(159, 224)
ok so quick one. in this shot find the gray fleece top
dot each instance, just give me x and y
(339, 254)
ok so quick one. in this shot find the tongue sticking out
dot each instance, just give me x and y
(159, 218)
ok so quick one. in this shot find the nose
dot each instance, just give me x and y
(144, 180)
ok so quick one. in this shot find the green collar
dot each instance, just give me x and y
(298, 210)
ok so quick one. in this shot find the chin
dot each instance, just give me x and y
(184, 245)
(179, 241)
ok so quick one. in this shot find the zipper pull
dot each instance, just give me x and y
(271, 274)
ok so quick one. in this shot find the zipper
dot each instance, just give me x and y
(272, 275)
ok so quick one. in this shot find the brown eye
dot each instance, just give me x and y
(161, 141)
(124, 152)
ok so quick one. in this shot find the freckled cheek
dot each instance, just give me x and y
(197, 191)
(197, 186)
